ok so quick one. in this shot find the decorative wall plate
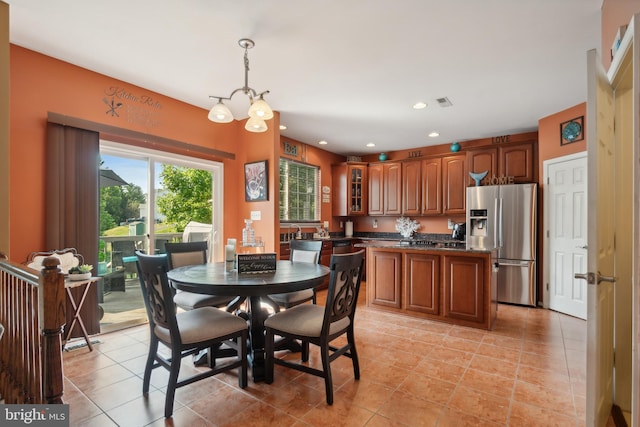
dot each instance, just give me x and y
(572, 130)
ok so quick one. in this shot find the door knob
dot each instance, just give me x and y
(595, 279)
(608, 279)
(582, 247)
(589, 277)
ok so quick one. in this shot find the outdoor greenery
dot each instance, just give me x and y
(186, 196)
(298, 191)
(118, 203)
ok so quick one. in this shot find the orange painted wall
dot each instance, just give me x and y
(614, 14)
(41, 84)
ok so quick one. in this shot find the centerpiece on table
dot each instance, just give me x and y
(407, 226)
(80, 272)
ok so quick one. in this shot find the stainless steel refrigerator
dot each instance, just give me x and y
(503, 217)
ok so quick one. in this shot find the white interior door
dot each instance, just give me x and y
(566, 201)
(600, 241)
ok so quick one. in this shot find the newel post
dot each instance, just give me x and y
(52, 309)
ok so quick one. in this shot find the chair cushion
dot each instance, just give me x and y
(203, 324)
(305, 320)
(191, 300)
(293, 297)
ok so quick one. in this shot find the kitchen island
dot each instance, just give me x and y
(448, 284)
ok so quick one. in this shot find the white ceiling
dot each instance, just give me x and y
(344, 71)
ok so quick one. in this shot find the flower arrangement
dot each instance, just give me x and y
(81, 269)
(406, 226)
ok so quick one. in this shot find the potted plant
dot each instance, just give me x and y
(80, 272)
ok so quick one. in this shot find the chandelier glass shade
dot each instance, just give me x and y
(255, 125)
(220, 113)
(259, 110)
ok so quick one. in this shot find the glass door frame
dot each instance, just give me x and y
(156, 156)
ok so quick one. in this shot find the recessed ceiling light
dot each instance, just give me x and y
(283, 127)
(434, 134)
(419, 105)
(322, 142)
(371, 144)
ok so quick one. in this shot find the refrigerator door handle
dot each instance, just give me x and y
(514, 264)
(499, 227)
(496, 242)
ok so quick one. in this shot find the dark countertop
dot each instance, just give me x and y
(382, 244)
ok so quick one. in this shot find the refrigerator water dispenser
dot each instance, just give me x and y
(478, 222)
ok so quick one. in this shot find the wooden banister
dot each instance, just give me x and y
(32, 311)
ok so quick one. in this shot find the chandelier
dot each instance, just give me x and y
(259, 111)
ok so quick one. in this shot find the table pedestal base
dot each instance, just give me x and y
(256, 338)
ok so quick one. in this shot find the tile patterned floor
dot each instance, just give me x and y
(528, 371)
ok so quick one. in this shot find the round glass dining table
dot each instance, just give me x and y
(212, 279)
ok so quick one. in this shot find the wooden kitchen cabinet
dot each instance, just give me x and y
(480, 160)
(513, 160)
(385, 188)
(384, 275)
(464, 288)
(411, 187)
(431, 183)
(326, 252)
(454, 184)
(421, 283)
(456, 287)
(517, 161)
(422, 187)
(349, 182)
(392, 184)
(376, 195)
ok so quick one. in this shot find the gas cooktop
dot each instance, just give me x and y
(435, 243)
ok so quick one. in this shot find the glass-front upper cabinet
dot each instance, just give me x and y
(349, 189)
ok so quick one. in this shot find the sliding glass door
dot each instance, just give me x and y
(151, 198)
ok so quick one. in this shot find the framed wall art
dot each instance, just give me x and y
(256, 181)
(572, 130)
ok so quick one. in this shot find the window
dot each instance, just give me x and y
(299, 191)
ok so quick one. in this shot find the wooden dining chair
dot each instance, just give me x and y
(319, 325)
(301, 251)
(185, 333)
(192, 253)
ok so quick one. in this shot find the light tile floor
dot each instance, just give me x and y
(528, 371)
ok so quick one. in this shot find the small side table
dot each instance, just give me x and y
(77, 306)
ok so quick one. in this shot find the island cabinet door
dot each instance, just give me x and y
(463, 279)
(384, 278)
(421, 283)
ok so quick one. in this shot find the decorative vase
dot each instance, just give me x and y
(455, 147)
(382, 157)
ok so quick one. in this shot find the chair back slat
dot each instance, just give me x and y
(344, 287)
(158, 298)
(305, 250)
(186, 253)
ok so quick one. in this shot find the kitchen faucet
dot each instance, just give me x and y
(298, 234)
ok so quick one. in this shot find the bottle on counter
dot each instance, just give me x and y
(248, 233)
